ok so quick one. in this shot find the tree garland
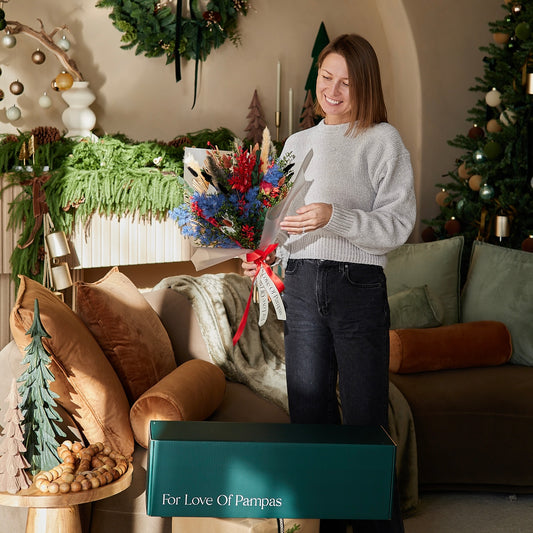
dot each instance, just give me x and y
(114, 176)
(151, 26)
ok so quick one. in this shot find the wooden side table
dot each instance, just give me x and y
(59, 513)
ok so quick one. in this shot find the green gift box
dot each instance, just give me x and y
(248, 470)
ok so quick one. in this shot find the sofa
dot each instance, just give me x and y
(461, 360)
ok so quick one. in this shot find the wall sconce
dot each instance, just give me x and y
(56, 273)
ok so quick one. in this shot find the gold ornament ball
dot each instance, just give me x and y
(475, 182)
(493, 126)
(16, 88)
(64, 81)
(38, 57)
(463, 172)
(501, 38)
(442, 198)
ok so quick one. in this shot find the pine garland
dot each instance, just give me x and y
(114, 176)
(149, 26)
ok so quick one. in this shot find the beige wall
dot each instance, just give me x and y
(428, 53)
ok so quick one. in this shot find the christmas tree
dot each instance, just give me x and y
(13, 476)
(37, 401)
(490, 193)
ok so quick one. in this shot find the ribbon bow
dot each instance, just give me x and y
(268, 283)
(40, 207)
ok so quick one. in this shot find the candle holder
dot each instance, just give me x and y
(278, 123)
(56, 273)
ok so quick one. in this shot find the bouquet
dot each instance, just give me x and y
(231, 196)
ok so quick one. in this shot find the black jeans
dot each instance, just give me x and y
(337, 327)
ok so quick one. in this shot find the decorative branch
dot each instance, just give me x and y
(46, 39)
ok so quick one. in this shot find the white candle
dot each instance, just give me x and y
(290, 110)
(278, 89)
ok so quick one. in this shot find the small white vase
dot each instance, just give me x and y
(78, 117)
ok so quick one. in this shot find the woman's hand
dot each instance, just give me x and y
(308, 218)
(249, 269)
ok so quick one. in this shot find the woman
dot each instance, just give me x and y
(359, 206)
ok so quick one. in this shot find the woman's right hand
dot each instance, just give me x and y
(250, 268)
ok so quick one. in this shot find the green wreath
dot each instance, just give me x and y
(152, 27)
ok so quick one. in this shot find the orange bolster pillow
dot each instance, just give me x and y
(193, 391)
(470, 344)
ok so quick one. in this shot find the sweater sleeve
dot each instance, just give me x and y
(391, 220)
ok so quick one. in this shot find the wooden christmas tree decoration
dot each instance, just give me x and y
(13, 476)
(321, 40)
(307, 118)
(37, 401)
(257, 122)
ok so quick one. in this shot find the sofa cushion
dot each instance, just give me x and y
(85, 381)
(435, 264)
(191, 392)
(472, 344)
(415, 308)
(499, 286)
(128, 330)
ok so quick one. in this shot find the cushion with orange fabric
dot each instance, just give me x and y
(464, 345)
(88, 387)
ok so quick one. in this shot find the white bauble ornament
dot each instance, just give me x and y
(64, 44)
(45, 101)
(8, 40)
(507, 117)
(493, 98)
(13, 113)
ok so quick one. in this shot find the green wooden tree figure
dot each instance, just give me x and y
(321, 41)
(38, 403)
(13, 464)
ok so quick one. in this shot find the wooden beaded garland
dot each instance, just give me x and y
(82, 468)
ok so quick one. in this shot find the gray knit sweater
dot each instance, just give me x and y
(368, 179)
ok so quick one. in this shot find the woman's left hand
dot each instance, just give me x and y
(308, 218)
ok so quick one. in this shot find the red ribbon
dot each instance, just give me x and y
(258, 257)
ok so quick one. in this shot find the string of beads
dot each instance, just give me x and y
(83, 468)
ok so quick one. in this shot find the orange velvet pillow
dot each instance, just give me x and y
(471, 344)
(191, 392)
(128, 330)
(85, 381)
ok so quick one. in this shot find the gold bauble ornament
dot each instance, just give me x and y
(38, 57)
(475, 182)
(493, 126)
(463, 172)
(16, 88)
(442, 198)
(64, 81)
(501, 38)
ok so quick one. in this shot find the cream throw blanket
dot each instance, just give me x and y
(258, 359)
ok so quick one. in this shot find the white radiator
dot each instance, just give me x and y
(127, 241)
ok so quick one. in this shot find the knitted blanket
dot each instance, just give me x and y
(258, 359)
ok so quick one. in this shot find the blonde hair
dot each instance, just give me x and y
(366, 93)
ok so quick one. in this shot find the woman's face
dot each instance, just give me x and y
(333, 89)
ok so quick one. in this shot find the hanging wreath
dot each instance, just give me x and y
(154, 29)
